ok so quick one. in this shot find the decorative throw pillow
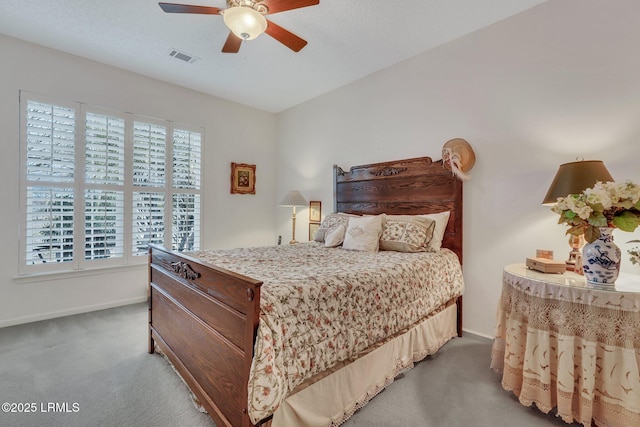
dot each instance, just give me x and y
(441, 219)
(330, 221)
(320, 234)
(334, 236)
(406, 233)
(363, 233)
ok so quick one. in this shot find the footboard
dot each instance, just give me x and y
(204, 319)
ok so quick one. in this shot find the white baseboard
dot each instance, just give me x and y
(477, 335)
(70, 312)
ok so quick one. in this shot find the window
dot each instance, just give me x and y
(149, 165)
(186, 180)
(98, 186)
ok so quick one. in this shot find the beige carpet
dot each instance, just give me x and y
(94, 370)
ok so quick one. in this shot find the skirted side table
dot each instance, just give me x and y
(560, 344)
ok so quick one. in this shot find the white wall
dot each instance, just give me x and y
(529, 93)
(558, 81)
(233, 133)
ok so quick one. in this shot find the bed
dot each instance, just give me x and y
(208, 317)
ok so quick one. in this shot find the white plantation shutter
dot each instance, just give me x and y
(50, 172)
(104, 149)
(50, 134)
(186, 159)
(149, 154)
(104, 224)
(149, 172)
(186, 218)
(148, 221)
(49, 231)
(95, 190)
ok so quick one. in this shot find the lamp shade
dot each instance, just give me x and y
(574, 177)
(293, 198)
(245, 22)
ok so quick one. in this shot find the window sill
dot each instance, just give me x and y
(69, 274)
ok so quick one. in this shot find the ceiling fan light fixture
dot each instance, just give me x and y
(245, 22)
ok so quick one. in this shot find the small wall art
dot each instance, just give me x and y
(313, 227)
(315, 211)
(243, 178)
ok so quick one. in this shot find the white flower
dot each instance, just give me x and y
(584, 212)
(599, 194)
(607, 204)
(561, 205)
(578, 205)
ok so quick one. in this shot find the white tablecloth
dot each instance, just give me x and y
(562, 345)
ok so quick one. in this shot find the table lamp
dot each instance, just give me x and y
(292, 199)
(573, 178)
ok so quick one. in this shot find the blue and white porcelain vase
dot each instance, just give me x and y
(601, 260)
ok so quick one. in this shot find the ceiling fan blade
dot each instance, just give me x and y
(187, 8)
(232, 45)
(276, 6)
(285, 37)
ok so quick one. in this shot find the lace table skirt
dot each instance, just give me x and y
(570, 348)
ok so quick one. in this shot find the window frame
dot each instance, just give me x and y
(80, 186)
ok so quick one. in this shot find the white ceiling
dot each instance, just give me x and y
(348, 39)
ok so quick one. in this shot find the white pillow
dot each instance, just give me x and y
(441, 219)
(319, 234)
(329, 222)
(334, 236)
(363, 233)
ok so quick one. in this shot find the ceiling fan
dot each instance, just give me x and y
(246, 20)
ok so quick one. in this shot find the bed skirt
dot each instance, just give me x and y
(333, 399)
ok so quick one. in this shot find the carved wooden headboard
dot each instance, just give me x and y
(402, 187)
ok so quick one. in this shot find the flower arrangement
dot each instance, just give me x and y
(608, 204)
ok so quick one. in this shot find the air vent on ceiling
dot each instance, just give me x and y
(183, 56)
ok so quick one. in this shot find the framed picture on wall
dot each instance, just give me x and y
(313, 227)
(315, 211)
(243, 178)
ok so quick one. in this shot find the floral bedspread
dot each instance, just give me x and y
(320, 306)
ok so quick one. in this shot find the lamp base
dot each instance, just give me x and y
(293, 227)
